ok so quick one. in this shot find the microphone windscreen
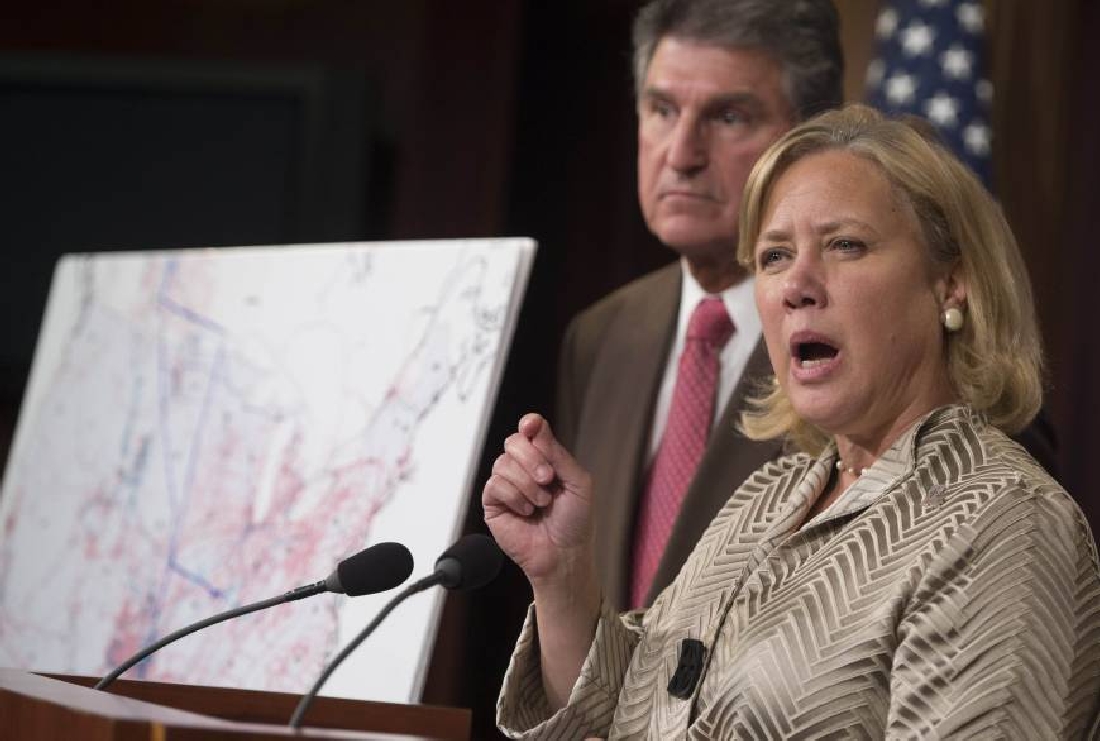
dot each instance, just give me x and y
(378, 568)
(472, 562)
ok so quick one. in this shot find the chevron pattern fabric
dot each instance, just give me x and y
(953, 591)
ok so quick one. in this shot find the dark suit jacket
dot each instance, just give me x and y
(612, 360)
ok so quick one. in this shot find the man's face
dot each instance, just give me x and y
(705, 114)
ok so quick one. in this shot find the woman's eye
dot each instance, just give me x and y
(848, 245)
(769, 257)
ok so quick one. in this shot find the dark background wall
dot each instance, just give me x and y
(482, 118)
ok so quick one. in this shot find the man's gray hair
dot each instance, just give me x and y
(803, 36)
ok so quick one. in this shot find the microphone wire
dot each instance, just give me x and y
(294, 594)
(419, 586)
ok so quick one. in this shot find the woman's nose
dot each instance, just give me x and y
(803, 284)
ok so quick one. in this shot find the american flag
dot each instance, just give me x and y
(930, 61)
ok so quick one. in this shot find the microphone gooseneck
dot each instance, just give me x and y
(472, 562)
(375, 569)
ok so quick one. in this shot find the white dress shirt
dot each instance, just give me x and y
(741, 305)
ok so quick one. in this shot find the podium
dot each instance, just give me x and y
(37, 707)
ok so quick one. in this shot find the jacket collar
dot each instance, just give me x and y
(891, 468)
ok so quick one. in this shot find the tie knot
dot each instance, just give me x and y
(710, 322)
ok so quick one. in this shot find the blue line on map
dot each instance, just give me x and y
(194, 578)
(183, 460)
(171, 267)
(162, 421)
(200, 423)
(131, 414)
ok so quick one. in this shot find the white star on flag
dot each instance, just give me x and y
(971, 17)
(900, 88)
(942, 109)
(956, 63)
(886, 24)
(917, 39)
(930, 62)
(976, 139)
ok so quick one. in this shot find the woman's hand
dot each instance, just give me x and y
(538, 507)
(537, 504)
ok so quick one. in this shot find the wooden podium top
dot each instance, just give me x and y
(54, 707)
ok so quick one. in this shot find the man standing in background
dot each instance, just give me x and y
(652, 377)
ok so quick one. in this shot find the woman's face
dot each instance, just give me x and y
(850, 301)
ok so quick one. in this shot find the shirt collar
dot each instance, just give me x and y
(739, 299)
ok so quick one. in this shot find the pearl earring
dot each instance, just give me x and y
(953, 319)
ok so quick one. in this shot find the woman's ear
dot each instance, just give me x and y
(952, 288)
(952, 293)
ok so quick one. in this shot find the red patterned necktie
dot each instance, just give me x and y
(684, 439)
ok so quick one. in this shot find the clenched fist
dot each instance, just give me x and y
(538, 503)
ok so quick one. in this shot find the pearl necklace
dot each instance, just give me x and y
(849, 469)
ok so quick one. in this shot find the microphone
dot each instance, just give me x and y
(689, 668)
(375, 569)
(378, 568)
(470, 563)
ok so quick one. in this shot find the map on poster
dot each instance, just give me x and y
(203, 429)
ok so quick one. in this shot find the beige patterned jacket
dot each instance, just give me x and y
(953, 591)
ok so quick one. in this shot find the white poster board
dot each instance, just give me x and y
(203, 429)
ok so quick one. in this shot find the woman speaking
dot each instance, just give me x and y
(910, 570)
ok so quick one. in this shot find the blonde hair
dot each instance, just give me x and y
(995, 360)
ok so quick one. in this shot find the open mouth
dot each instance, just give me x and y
(814, 353)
